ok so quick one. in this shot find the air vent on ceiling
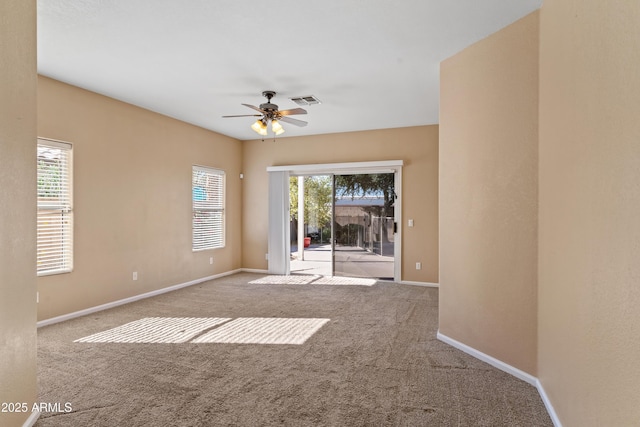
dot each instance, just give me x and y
(305, 100)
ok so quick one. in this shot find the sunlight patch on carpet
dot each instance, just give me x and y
(263, 330)
(313, 280)
(344, 281)
(284, 280)
(156, 330)
(243, 330)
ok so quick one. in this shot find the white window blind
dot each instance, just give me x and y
(208, 186)
(55, 208)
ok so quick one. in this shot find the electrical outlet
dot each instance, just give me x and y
(135, 275)
(418, 266)
(210, 260)
(266, 257)
(410, 223)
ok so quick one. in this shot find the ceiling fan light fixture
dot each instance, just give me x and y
(276, 127)
(260, 127)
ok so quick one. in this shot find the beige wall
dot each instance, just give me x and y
(132, 198)
(587, 319)
(417, 146)
(589, 269)
(17, 206)
(488, 195)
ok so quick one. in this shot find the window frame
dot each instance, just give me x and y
(65, 207)
(216, 242)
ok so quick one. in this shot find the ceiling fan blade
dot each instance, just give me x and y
(244, 115)
(292, 112)
(293, 121)
(253, 107)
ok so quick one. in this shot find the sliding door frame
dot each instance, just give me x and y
(352, 168)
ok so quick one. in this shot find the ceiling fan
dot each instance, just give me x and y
(269, 113)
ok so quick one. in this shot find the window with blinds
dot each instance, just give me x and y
(207, 187)
(55, 208)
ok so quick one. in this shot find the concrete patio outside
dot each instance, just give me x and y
(350, 261)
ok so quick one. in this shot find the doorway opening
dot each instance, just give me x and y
(343, 225)
(311, 212)
(279, 255)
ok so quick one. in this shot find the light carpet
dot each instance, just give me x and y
(363, 355)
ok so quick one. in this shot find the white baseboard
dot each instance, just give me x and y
(528, 378)
(113, 304)
(489, 359)
(254, 270)
(31, 421)
(427, 284)
(547, 404)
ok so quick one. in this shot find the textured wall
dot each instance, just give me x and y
(589, 268)
(417, 146)
(488, 194)
(132, 198)
(17, 206)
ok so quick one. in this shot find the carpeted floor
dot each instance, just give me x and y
(250, 350)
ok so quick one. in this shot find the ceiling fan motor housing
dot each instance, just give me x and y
(268, 106)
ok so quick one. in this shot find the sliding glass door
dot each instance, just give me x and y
(364, 225)
(343, 225)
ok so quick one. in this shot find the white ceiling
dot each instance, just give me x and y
(374, 64)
